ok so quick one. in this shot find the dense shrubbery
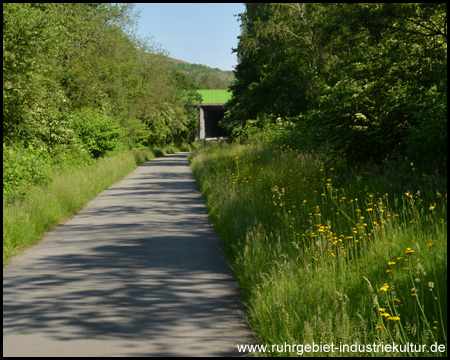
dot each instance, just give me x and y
(35, 165)
(368, 80)
(101, 134)
(78, 86)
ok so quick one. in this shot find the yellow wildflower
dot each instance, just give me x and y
(391, 263)
(386, 315)
(409, 251)
(394, 318)
(385, 287)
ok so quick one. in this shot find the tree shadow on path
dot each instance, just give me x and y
(140, 268)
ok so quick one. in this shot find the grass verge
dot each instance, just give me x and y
(328, 254)
(26, 220)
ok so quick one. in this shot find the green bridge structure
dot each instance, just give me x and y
(211, 112)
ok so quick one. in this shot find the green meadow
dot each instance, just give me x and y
(325, 253)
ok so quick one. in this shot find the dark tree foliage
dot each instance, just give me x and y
(371, 79)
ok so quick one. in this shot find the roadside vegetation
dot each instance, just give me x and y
(84, 101)
(331, 195)
(326, 253)
(27, 219)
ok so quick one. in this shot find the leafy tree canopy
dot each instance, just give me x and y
(371, 79)
(78, 84)
(58, 58)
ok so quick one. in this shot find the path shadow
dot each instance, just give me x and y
(135, 270)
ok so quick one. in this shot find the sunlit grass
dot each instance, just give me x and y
(319, 249)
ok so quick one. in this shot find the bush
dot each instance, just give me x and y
(171, 125)
(23, 166)
(100, 133)
(35, 164)
(299, 132)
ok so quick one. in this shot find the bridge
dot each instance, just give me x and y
(211, 112)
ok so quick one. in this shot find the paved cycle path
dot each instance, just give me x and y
(137, 272)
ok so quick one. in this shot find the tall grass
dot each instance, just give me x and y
(26, 220)
(328, 254)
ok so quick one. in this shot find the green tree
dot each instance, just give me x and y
(395, 66)
(370, 78)
(77, 85)
(32, 96)
(274, 68)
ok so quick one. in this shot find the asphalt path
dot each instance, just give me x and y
(138, 272)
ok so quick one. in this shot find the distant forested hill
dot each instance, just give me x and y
(204, 77)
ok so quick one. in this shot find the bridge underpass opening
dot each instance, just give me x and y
(212, 110)
(212, 116)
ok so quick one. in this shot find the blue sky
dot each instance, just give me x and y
(196, 33)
